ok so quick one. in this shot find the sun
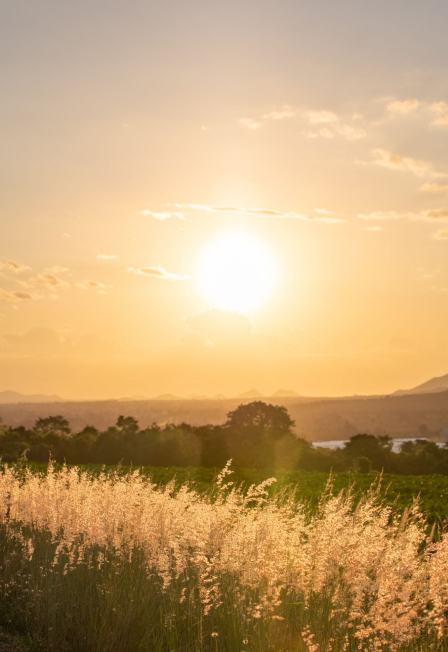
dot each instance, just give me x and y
(236, 273)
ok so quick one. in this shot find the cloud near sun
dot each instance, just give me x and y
(440, 214)
(327, 124)
(47, 283)
(334, 125)
(159, 273)
(323, 216)
(165, 215)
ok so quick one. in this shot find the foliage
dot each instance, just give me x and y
(109, 561)
(261, 415)
(397, 490)
(255, 435)
(56, 425)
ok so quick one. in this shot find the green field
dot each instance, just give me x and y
(397, 490)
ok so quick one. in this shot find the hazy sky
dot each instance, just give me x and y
(138, 137)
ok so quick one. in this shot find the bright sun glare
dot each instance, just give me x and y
(236, 272)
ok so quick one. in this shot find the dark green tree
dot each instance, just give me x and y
(127, 425)
(57, 425)
(260, 435)
(261, 415)
(376, 449)
(81, 446)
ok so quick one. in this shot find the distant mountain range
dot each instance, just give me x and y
(167, 397)
(432, 386)
(15, 397)
(280, 393)
(252, 393)
(9, 397)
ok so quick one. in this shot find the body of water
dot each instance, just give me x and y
(396, 443)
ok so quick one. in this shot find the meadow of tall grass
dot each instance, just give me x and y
(111, 562)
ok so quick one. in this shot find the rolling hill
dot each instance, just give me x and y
(438, 384)
(10, 398)
(285, 393)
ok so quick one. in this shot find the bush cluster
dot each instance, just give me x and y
(255, 435)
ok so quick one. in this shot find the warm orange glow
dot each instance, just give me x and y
(236, 273)
(199, 158)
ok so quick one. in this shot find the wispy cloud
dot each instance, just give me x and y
(56, 269)
(440, 214)
(434, 188)
(322, 117)
(437, 110)
(23, 295)
(14, 296)
(107, 256)
(48, 279)
(89, 285)
(385, 215)
(285, 112)
(334, 126)
(387, 159)
(403, 107)
(440, 111)
(6, 296)
(327, 123)
(322, 133)
(264, 212)
(158, 273)
(350, 133)
(16, 267)
(441, 235)
(278, 114)
(249, 123)
(165, 215)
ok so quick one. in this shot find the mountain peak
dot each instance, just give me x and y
(11, 397)
(435, 385)
(285, 393)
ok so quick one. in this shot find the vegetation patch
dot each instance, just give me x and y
(108, 560)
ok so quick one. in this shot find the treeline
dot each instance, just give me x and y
(256, 435)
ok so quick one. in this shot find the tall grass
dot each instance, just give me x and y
(113, 563)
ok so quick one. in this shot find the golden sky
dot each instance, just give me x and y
(165, 164)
